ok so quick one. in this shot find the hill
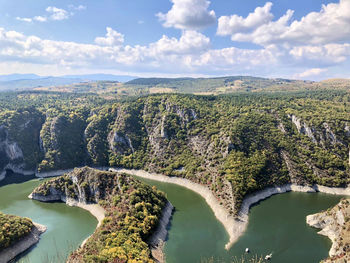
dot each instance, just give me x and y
(234, 144)
(133, 211)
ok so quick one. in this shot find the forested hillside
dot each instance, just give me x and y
(133, 211)
(236, 144)
(13, 228)
(199, 86)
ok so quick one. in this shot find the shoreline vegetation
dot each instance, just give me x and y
(111, 212)
(235, 227)
(23, 244)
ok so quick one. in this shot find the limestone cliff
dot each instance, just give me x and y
(335, 224)
(135, 214)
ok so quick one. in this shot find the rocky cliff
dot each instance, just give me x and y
(135, 214)
(335, 224)
(233, 145)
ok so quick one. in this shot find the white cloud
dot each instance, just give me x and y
(229, 25)
(326, 54)
(57, 13)
(40, 18)
(311, 72)
(188, 14)
(24, 19)
(78, 8)
(54, 13)
(113, 38)
(330, 25)
(189, 54)
(190, 42)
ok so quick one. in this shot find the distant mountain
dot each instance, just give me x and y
(102, 77)
(12, 77)
(28, 81)
(216, 85)
(20, 84)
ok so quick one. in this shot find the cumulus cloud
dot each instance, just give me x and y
(53, 13)
(79, 7)
(326, 54)
(311, 72)
(330, 25)
(188, 14)
(24, 19)
(57, 13)
(113, 38)
(190, 42)
(191, 53)
(40, 18)
(229, 25)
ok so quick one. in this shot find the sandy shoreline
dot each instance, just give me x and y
(235, 227)
(158, 239)
(96, 210)
(25, 243)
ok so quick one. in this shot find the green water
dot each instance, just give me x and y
(276, 225)
(66, 226)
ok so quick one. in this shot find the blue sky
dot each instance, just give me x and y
(292, 39)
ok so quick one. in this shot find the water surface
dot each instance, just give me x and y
(66, 226)
(276, 225)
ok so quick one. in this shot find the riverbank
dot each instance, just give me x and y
(235, 227)
(14, 170)
(94, 209)
(25, 243)
(158, 239)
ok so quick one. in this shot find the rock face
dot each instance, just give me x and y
(303, 128)
(19, 141)
(84, 185)
(158, 238)
(335, 224)
(11, 154)
(208, 140)
(119, 143)
(127, 203)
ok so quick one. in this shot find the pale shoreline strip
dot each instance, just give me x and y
(235, 227)
(158, 238)
(22, 245)
(94, 209)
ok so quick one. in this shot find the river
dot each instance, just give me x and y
(276, 225)
(67, 227)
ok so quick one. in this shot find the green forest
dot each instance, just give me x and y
(235, 144)
(13, 228)
(133, 210)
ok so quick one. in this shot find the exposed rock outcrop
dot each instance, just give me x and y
(303, 128)
(159, 237)
(335, 224)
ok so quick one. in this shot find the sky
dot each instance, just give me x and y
(170, 38)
